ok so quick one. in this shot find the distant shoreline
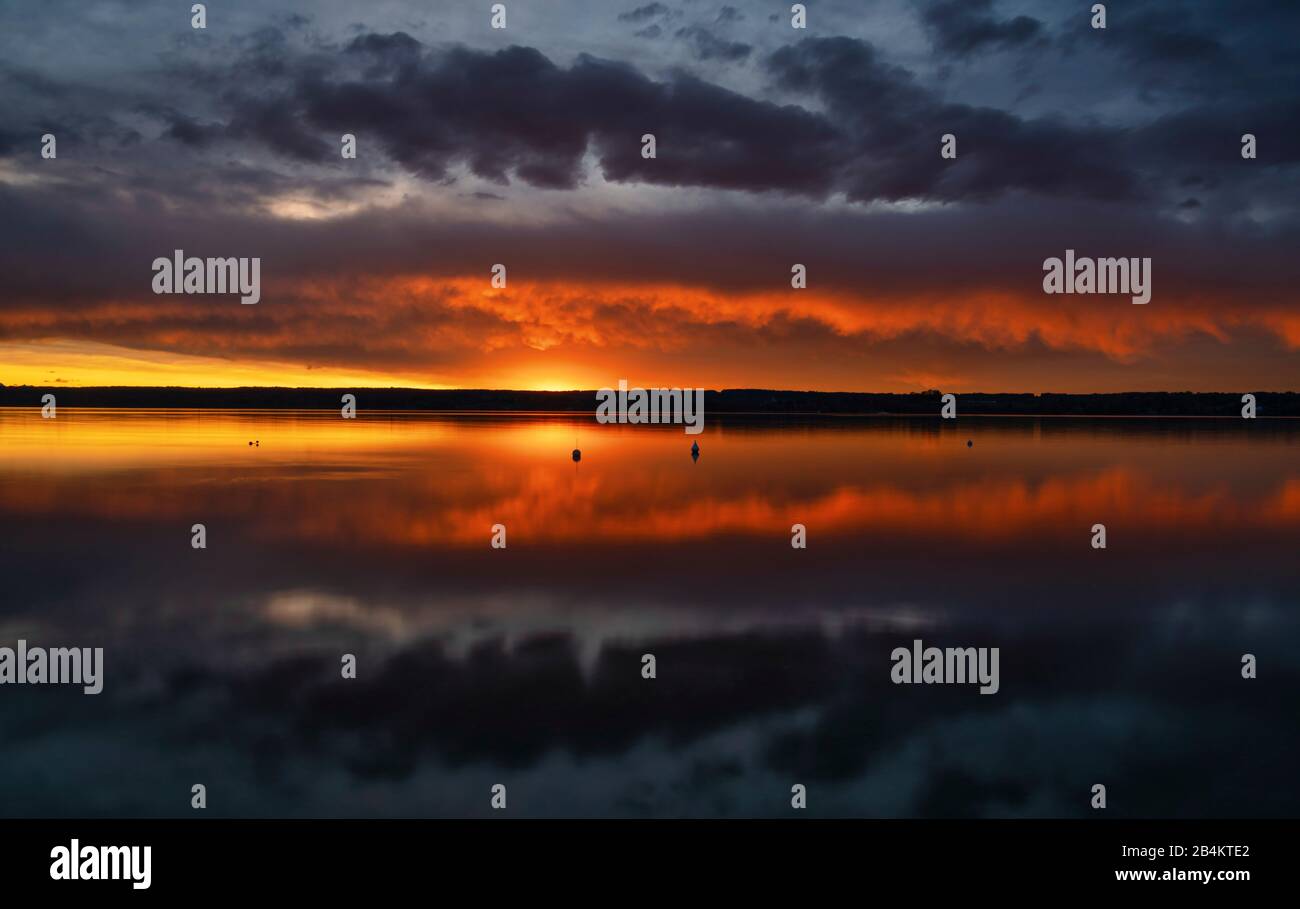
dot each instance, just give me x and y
(748, 402)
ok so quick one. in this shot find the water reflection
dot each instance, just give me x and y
(522, 666)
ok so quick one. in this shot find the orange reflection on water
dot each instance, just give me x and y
(430, 480)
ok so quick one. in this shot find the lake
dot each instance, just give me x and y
(523, 665)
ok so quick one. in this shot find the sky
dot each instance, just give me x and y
(775, 146)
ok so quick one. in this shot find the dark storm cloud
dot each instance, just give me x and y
(1161, 36)
(1158, 33)
(644, 13)
(892, 126)
(708, 46)
(514, 114)
(1218, 50)
(265, 123)
(399, 45)
(961, 27)
(31, 83)
(860, 125)
(384, 54)
(1207, 139)
(190, 132)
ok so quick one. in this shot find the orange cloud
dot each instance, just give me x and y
(447, 332)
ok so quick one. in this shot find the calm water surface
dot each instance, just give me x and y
(522, 666)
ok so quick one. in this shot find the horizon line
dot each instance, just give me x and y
(533, 391)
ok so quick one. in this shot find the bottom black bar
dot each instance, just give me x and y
(332, 858)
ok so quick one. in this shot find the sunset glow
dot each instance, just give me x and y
(520, 240)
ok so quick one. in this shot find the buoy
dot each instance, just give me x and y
(577, 455)
(969, 443)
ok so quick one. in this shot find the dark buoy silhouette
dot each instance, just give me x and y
(577, 454)
(695, 451)
(969, 443)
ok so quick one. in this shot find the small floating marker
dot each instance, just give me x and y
(695, 451)
(969, 443)
(577, 454)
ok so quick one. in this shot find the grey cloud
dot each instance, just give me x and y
(962, 27)
(644, 13)
(708, 46)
